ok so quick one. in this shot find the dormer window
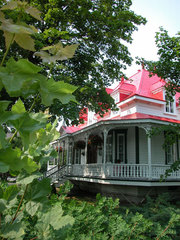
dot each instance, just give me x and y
(170, 105)
(116, 97)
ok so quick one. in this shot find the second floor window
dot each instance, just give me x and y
(170, 105)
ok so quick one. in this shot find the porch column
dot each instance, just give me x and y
(58, 160)
(105, 133)
(147, 130)
(67, 160)
(149, 158)
(113, 153)
(86, 145)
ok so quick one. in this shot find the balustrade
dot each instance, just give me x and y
(121, 171)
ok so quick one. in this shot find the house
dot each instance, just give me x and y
(115, 155)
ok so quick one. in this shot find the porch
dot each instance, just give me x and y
(140, 172)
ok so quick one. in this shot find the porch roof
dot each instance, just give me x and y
(144, 116)
(132, 119)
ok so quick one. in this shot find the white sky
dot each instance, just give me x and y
(165, 13)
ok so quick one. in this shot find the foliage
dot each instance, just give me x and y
(167, 67)
(100, 28)
(105, 218)
(28, 148)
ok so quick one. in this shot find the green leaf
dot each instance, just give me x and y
(1, 192)
(57, 52)
(23, 66)
(11, 159)
(34, 12)
(40, 189)
(4, 167)
(46, 57)
(10, 192)
(3, 141)
(14, 231)
(20, 78)
(54, 217)
(25, 41)
(3, 105)
(27, 179)
(18, 107)
(10, 5)
(8, 26)
(3, 204)
(51, 90)
(32, 207)
(9, 38)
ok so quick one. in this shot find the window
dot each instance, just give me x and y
(170, 154)
(77, 156)
(120, 148)
(170, 105)
(109, 149)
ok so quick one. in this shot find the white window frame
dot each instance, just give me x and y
(171, 154)
(170, 106)
(77, 159)
(109, 148)
(123, 135)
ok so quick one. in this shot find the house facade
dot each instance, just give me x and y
(115, 155)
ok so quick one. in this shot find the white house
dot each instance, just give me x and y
(114, 155)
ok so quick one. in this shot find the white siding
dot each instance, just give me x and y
(158, 153)
(154, 109)
(131, 152)
(143, 148)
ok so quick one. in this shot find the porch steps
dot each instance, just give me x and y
(57, 175)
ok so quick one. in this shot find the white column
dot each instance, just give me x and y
(105, 133)
(86, 145)
(67, 162)
(149, 158)
(113, 147)
(58, 163)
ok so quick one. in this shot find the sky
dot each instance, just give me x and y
(165, 13)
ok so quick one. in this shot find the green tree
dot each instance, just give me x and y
(168, 68)
(28, 200)
(101, 28)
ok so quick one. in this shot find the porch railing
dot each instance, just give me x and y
(121, 171)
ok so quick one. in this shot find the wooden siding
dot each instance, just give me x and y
(143, 148)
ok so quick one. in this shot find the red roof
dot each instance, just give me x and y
(109, 90)
(71, 129)
(144, 116)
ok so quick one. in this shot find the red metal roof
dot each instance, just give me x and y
(71, 129)
(144, 116)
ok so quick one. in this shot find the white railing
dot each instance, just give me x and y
(158, 170)
(121, 171)
(127, 170)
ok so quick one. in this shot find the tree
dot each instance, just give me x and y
(100, 27)
(168, 68)
(28, 200)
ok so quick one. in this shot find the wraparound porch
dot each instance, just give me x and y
(142, 172)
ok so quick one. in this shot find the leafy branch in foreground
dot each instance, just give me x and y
(24, 80)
